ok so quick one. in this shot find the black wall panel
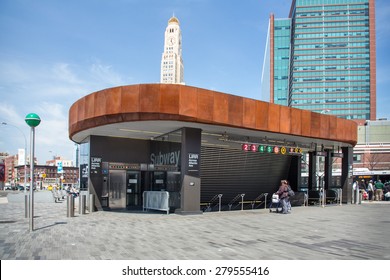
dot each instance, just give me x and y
(113, 149)
(232, 172)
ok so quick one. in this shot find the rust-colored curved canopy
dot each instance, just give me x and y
(149, 106)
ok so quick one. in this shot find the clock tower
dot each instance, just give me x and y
(172, 69)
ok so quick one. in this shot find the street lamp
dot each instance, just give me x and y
(25, 153)
(54, 154)
(33, 121)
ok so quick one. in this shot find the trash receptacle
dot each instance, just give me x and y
(105, 201)
(70, 206)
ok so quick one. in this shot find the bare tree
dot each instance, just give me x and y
(373, 159)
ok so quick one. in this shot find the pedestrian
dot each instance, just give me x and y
(290, 194)
(74, 192)
(378, 190)
(370, 190)
(283, 196)
(362, 190)
(362, 185)
(386, 191)
(355, 187)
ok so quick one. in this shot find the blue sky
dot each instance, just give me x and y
(53, 52)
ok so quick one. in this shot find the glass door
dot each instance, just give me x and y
(159, 181)
(133, 189)
(117, 187)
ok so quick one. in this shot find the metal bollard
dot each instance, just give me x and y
(70, 206)
(82, 205)
(323, 201)
(26, 206)
(91, 203)
(357, 195)
(340, 195)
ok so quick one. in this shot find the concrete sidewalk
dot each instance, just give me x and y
(353, 232)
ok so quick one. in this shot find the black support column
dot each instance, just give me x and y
(294, 176)
(190, 171)
(346, 174)
(312, 183)
(328, 169)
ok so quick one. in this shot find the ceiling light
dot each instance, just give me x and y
(138, 131)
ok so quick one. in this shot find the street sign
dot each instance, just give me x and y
(59, 167)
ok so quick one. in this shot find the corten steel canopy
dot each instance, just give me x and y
(146, 111)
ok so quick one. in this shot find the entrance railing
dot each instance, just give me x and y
(156, 200)
(259, 200)
(215, 201)
(237, 201)
(236, 198)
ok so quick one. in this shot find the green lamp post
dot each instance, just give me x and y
(33, 120)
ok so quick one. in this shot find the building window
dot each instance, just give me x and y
(357, 158)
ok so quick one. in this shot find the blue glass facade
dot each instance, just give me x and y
(282, 37)
(330, 58)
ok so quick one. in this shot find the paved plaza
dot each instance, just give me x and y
(352, 232)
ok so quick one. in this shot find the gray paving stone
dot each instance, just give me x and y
(334, 232)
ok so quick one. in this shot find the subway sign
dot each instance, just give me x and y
(271, 149)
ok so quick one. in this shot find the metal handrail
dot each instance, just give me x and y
(212, 200)
(258, 199)
(230, 204)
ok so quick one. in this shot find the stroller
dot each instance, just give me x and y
(275, 203)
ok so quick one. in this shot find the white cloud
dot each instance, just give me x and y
(48, 90)
(52, 133)
(106, 75)
(63, 72)
(9, 113)
(15, 134)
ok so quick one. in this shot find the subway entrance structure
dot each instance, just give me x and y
(196, 144)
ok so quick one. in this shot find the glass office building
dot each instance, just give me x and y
(323, 58)
(281, 60)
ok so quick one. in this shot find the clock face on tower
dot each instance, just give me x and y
(172, 69)
(171, 41)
